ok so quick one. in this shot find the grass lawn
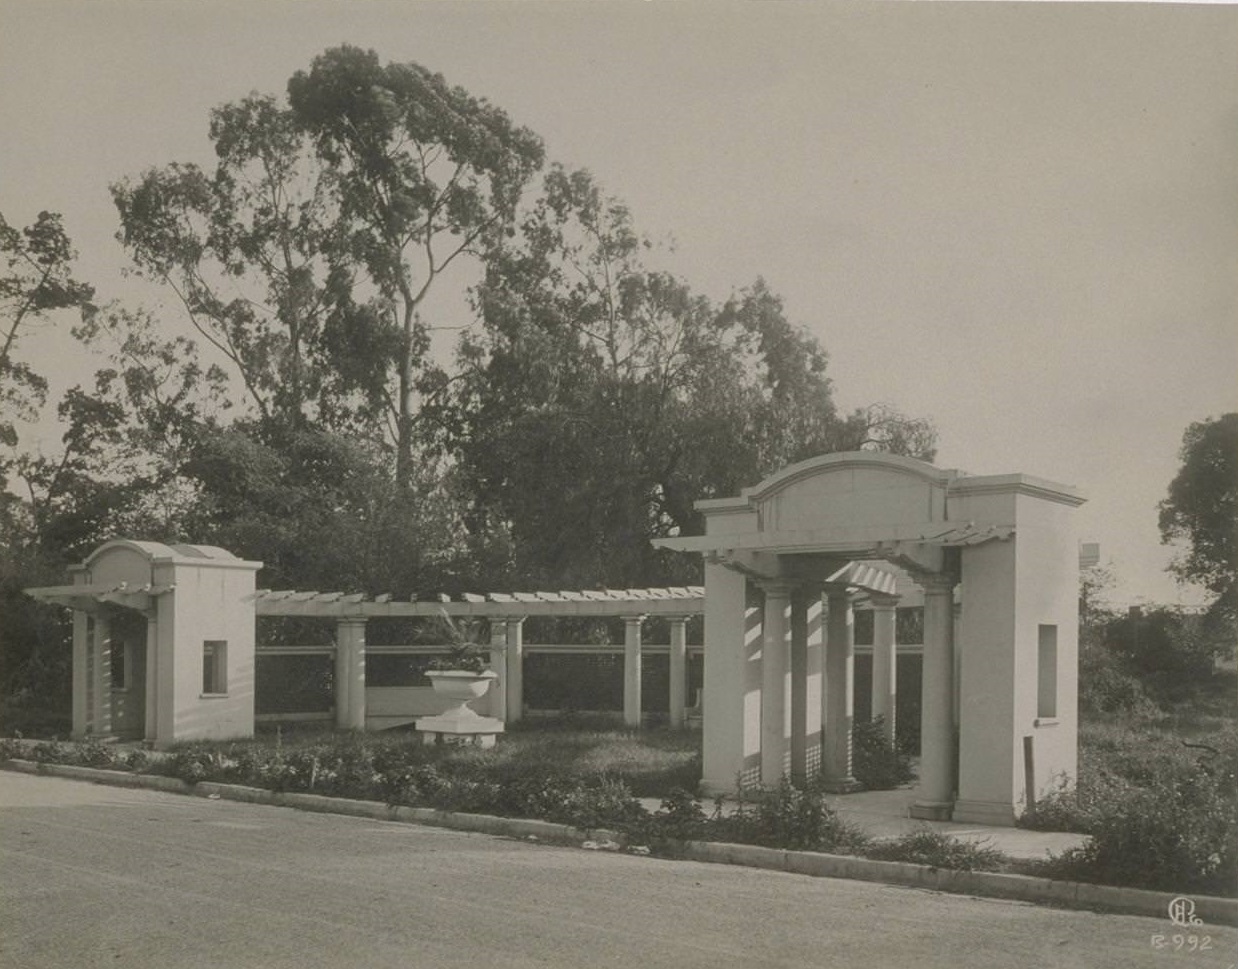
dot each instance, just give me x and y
(652, 762)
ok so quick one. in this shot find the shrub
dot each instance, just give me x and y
(877, 763)
(1161, 815)
(787, 817)
(1106, 688)
(939, 850)
(1182, 839)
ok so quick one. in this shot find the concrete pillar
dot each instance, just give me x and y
(102, 716)
(678, 670)
(342, 680)
(497, 697)
(803, 720)
(515, 669)
(956, 642)
(775, 682)
(350, 672)
(815, 695)
(152, 678)
(724, 739)
(839, 691)
(81, 673)
(632, 670)
(935, 796)
(885, 662)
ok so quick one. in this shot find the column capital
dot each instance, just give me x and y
(936, 583)
(779, 588)
(350, 620)
(880, 601)
(633, 620)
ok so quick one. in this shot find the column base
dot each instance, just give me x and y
(932, 810)
(841, 785)
(985, 812)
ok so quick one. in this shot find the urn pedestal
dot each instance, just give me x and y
(460, 723)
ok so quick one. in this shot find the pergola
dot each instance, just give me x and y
(505, 613)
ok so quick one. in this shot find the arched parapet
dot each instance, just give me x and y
(122, 560)
(137, 563)
(858, 487)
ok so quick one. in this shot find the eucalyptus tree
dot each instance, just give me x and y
(305, 257)
(423, 173)
(246, 248)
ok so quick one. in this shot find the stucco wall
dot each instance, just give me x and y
(1048, 594)
(210, 603)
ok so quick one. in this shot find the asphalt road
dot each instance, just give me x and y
(98, 876)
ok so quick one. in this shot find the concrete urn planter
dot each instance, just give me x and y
(460, 723)
(461, 686)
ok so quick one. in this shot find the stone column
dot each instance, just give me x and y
(885, 662)
(725, 746)
(935, 796)
(342, 680)
(81, 673)
(839, 693)
(101, 719)
(498, 663)
(515, 669)
(802, 729)
(678, 669)
(632, 670)
(152, 677)
(350, 670)
(775, 682)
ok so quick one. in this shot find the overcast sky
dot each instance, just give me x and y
(1020, 220)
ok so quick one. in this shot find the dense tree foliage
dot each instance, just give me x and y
(1201, 510)
(601, 398)
(37, 281)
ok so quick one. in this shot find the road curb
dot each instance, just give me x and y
(1025, 888)
(523, 828)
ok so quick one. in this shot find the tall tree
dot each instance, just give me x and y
(1201, 509)
(306, 256)
(423, 173)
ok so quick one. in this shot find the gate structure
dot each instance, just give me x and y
(164, 635)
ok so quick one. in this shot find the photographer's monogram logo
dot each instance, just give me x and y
(1182, 912)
